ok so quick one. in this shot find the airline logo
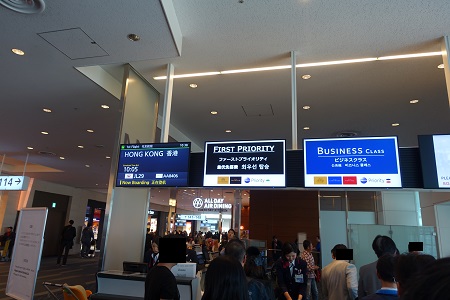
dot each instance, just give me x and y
(235, 180)
(320, 180)
(350, 180)
(363, 180)
(223, 180)
(334, 180)
(129, 176)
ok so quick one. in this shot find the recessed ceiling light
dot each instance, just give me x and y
(44, 132)
(228, 131)
(193, 85)
(108, 157)
(87, 166)
(307, 76)
(441, 66)
(306, 128)
(395, 124)
(105, 106)
(306, 107)
(214, 112)
(80, 146)
(30, 148)
(414, 101)
(90, 130)
(17, 51)
(133, 37)
(47, 110)
(61, 157)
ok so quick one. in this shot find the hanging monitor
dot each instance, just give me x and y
(245, 164)
(435, 158)
(352, 162)
(153, 165)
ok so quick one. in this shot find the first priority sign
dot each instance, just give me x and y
(13, 183)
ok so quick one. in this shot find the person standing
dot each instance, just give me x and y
(385, 272)
(311, 288)
(67, 236)
(339, 278)
(368, 282)
(87, 235)
(291, 274)
(8, 238)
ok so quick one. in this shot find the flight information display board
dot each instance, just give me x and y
(151, 165)
(352, 162)
(245, 163)
(435, 159)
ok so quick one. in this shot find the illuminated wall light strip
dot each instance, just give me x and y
(324, 63)
(188, 75)
(336, 62)
(410, 55)
(255, 69)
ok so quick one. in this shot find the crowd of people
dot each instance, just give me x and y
(239, 272)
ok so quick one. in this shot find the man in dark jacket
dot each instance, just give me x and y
(67, 236)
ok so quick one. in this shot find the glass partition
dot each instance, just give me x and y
(361, 237)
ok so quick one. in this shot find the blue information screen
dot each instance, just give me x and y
(357, 162)
(151, 165)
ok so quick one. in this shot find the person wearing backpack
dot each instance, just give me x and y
(67, 236)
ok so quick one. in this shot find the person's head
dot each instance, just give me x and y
(407, 266)
(253, 269)
(432, 283)
(307, 245)
(289, 252)
(318, 239)
(383, 244)
(225, 279)
(71, 222)
(9, 229)
(236, 249)
(155, 247)
(252, 251)
(385, 268)
(231, 234)
(337, 247)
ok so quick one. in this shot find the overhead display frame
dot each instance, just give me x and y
(371, 162)
(245, 164)
(435, 160)
(153, 165)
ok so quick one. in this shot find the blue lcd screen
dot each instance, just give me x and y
(352, 162)
(153, 165)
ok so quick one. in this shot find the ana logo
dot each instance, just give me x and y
(363, 180)
(197, 203)
(247, 180)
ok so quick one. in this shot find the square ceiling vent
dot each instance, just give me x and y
(258, 110)
(74, 43)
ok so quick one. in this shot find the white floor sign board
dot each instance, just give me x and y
(27, 253)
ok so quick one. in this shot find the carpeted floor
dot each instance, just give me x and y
(78, 271)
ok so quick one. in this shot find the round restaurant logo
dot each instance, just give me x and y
(197, 203)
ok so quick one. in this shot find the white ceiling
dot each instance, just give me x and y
(218, 35)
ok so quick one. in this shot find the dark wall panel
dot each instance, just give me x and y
(283, 213)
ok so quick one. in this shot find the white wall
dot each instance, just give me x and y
(399, 208)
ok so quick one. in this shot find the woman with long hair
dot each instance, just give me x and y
(225, 280)
(291, 274)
